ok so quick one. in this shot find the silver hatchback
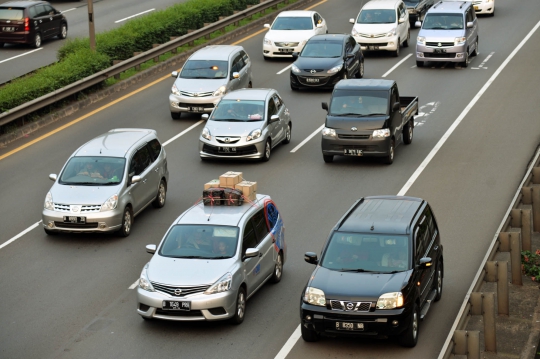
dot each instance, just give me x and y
(211, 260)
(246, 123)
(107, 182)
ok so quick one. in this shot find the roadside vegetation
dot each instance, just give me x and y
(530, 264)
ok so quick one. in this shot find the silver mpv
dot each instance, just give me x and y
(107, 182)
(211, 260)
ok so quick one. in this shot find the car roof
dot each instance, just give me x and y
(364, 84)
(22, 3)
(381, 4)
(382, 214)
(215, 52)
(115, 143)
(249, 94)
(219, 215)
(329, 37)
(297, 13)
(450, 6)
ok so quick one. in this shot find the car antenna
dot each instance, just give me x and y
(372, 226)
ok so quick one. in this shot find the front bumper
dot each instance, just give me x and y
(217, 306)
(211, 149)
(452, 53)
(283, 52)
(372, 147)
(484, 7)
(95, 221)
(192, 104)
(324, 80)
(385, 43)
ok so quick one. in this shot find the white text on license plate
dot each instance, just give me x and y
(353, 152)
(313, 80)
(349, 326)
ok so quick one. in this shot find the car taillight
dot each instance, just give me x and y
(26, 24)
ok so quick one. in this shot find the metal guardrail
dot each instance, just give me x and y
(46, 100)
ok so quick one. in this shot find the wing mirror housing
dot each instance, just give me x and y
(274, 118)
(311, 258)
(205, 116)
(418, 24)
(351, 21)
(135, 179)
(174, 74)
(349, 56)
(401, 20)
(250, 253)
(235, 75)
(266, 26)
(151, 248)
(295, 55)
(396, 106)
(470, 24)
(52, 177)
(324, 106)
(425, 262)
(319, 26)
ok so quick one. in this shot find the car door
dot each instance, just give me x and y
(153, 173)
(356, 51)
(421, 238)
(54, 21)
(348, 61)
(472, 33)
(403, 21)
(235, 84)
(266, 243)
(282, 123)
(247, 67)
(42, 21)
(273, 126)
(252, 266)
(139, 167)
(318, 20)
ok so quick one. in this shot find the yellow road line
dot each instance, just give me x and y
(317, 4)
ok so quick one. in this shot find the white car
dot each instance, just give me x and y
(290, 31)
(484, 7)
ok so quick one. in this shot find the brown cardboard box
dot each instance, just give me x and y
(212, 184)
(251, 197)
(229, 179)
(249, 189)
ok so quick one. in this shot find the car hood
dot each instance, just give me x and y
(289, 35)
(74, 194)
(225, 128)
(441, 35)
(199, 85)
(357, 286)
(361, 123)
(374, 28)
(308, 63)
(179, 271)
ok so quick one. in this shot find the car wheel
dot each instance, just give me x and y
(360, 72)
(409, 338)
(465, 63)
(396, 53)
(344, 76)
(419, 63)
(159, 202)
(406, 42)
(389, 159)
(1, 44)
(250, 85)
(288, 135)
(328, 158)
(493, 13)
(408, 132)
(267, 151)
(438, 284)
(37, 41)
(240, 310)
(63, 32)
(266, 58)
(176, 115)
(309, 335)
(49, 232)
(127, 223)
(476, 52)
(278, 269)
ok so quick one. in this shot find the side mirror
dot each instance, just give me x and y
(418, 24)
(174, 74)
(351, 21)
(235, 75)
(319, 26)
(324, 106)
(52, 177)
(135, 179)
(311, 258)
(266, 26)
(251, 252)
(295, 55)
(401, 20)
(396, 106)
(349, 56)
(274, 118)
(151, 248)
(425, 262)
(205, 116)
(470, 24)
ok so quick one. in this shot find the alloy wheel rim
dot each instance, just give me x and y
(410, 132)
(241, 305)
(415, 325)
(267, 150)
(288, 132)
(127, 222)
(161, 194)
(38, 41)
(279, 267)
(64, 32)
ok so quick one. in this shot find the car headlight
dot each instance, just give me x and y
(174, 90)
(390, 301)
(385, 132)
(110, 204)
(206, 134)
(295, 69)
(421, 40)
(392, 32)
(220, 91)
(267, 41)
(314, 296)
(335, 69)
(329, 132)
(144, 282)
(49, 202)
(222, 285)
(459, 40)
(253, 135)
(354, 32)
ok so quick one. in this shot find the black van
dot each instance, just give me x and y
(380, 270)
(30, 22)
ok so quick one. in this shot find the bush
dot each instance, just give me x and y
(530, 264)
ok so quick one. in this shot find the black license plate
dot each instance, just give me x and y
(312, 80)
(285, 50)
(74, 219)
(227, 149)
(439, 51)
(176, 305)
(353, 152)
(349, 326)
(195, 109)
(8, 29)
(373, 47)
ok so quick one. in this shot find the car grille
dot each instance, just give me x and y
(356, 147)
(286, 44)
(322, 81)
(441, 56)
(179, 313)
(205, 105)
(347, 306)
(443, 44)
(375, 44)
(316, 70)
(168, 289)
(240, 151)
(354, 137)
(75, 225)
(372, 35)
(196, 94)
(84, 208)
(231, 139)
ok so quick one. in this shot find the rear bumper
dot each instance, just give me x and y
(15, 38)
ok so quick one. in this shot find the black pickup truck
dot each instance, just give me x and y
(367, 118)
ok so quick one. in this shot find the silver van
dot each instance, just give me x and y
(206, 76)
(449, 33)
(211, 260)
(107, 182)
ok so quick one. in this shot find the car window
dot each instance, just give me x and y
(245, 57)
(238, 63)
(377, 16)
(140, 161)
(365, 102)
(93, 170)
(155, 148)
(49, 10)
(323, 49)
(40, 9)
(441, 21)
(318, 19)
(250, 237)
(272, 110)
(238, 110)
(292, 23)
(31, 11)
(278, 101)
(421, 238)
(260, 225)
(204, 69)
(11, 14)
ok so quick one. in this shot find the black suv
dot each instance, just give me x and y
(379, 272)
(30, 22)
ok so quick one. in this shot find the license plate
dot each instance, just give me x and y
(476, 8)
(373, 47)
(285, 50)
(439, 51)
(8, 29)
(195, 109)
(176, 305)
(312, 80)
(227, 149)
(353, 152)
(349, 326)
(74, 219)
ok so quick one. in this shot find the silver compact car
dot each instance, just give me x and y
(206, 76)
(211, 260)
(107, 182)
(246, 124)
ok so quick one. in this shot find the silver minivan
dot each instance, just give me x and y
(211, 260)
(206, 76)
(107, 182)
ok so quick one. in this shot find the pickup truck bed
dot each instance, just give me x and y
(409, 107)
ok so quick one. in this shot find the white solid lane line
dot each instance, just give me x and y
(307, 139)
(132, 16)
(289, 344)
(20, 234)
(396, 65)
(26, 53)
(134, 284)
(63, 12)
(183, 132)
(285, 69)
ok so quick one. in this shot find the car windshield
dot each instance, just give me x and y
(11, 14)
(93, 171)
(292, 23)
(366, 252)
(360, 103)
(204, 69)
(377, 16)
(200, 241)
(443, 22)
(411, 2)
(322, 49)
(238, 110)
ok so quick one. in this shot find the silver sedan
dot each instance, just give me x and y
(246, 123)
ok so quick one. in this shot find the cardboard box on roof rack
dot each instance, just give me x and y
(229, 179)
(248, 189)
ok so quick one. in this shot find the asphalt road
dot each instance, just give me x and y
(67, 296)
(18, 59)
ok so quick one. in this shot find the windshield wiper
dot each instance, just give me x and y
(193, 257)
(228, 120)
(373, 114)
(221, 257)
(358, 270)
(347, 114)
(90, 183)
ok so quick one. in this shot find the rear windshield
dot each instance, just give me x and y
(292, 23)
(204, 69)
(322, 49)
(361, 103)
(238, 111)
(93, 171)
(11, 14)
(377, 16)
(443, 22)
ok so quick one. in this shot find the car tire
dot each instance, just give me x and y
(360, 72)
(309, 335)
(419, 63)
(266, 58)
(267, 151)
(438, 284)
(240, 307)
(49, 232)
(396, 53)
(37, 41)
(406, 42)
(161, 196)
(278, 269)
(493, 13)
(389, 159)
(344, 76)
(409, 337)
(1, 44)
(465, 63)
(475, 52)
(63, 32)
(176, 115)
(408, 132)
(250, 85)
(287, 138)
(127, 223)
(328, 158)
